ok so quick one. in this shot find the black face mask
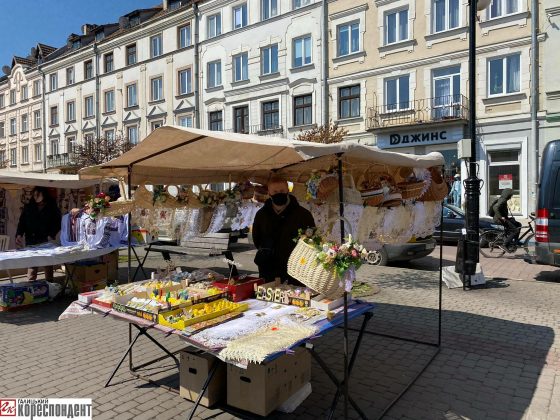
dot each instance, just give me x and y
(280, 199)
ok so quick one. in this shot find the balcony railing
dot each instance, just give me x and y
(420, 111)
(267, 130)
(61, 160)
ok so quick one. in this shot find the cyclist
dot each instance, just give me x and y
(502, 215)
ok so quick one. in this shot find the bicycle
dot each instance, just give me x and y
(492, 241)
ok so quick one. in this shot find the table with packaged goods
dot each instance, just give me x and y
(254, 333)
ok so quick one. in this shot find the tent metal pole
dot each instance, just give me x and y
(440, 273)
(341, 212)
(129, 268)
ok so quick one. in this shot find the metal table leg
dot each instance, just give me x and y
(141, 263)
(213, 370)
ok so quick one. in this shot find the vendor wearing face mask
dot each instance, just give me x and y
(274, 229)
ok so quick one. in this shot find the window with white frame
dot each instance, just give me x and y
(184, 34)
(109, 62)
(70, 76)
(13, 126)
(38, 152)
(446, 84)
(13, 157)
(88, 107)
(396, 26)
(131, 54)
(132, 134)
(156, 90)
(131, 95)
(302, 51)
(185, 120)
(37, 119)
(156, 46)
(71, 144)
(269, 8)
(240, 67)
(12, 97)
(300, 3)
(445, 15)
(348, 38)
(185, 84)
(36, 88)
(2, 130)
(88, 69)
(24, 94)
(214, 74)
(156, 124)
(499, 8)
(54, 115)
(24, 154)
(24, 123)
(269, 59)
(109, 100)
(1, 100)
(397, 93)
(55, 147)
(53, 78)
(504, 75)
(70, 111)
(214, 25)
(240, 16)
(110, 135)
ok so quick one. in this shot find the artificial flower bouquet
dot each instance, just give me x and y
(96, 204)
(209, 198)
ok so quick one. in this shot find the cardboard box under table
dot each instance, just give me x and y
(86, 276)
(261, 388)
(194, 369)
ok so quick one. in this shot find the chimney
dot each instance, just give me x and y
(87, 28)
(165, 4)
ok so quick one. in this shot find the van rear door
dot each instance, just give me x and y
(553, 205)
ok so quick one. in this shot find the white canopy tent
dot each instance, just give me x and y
(8, 177)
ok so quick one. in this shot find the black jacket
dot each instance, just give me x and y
(37, 225)
(277, 232)
(500, 206)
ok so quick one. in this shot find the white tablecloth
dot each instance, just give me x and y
(48, 254)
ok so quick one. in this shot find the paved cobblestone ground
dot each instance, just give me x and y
(500, 355)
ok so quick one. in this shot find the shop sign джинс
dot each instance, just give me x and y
(419, 137)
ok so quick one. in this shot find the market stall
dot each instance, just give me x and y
(392, 189)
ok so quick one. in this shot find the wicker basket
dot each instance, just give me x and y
(328, 184)
(373, 197)
(411, 190)
(303, 266)
(438, 189)
(143, 198)
(121, 206)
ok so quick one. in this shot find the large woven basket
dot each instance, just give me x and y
(373, 197)
(121, 206)
(411, 190)
(327, 185)
(438, 189)
(303, 266)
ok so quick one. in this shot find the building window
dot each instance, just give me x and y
(500, 8)
(447, 92)
(88, 138)
(184, 36)
(504, 75)
(214, 24)
(303, 112)
(2, 130)
(269, 59)
(240, 16)
(132, 134)
(301, 3)
(397, 95)
(88, 105)
(109, 101)
(349, 102)
(76, 44)
(270, 115)
(71, 144)
(36, 119)
(36, 88)
(445, 15)
(53, 78)
(55, 147)
(13, 97)
(241, 67)
(185, 121)
(24, 93)
(3, 162)
(24, 154)
(24, 124)
(269, 8)
(13, 158)
(396, 26)
(302, 51)
(70, 76)
(88, 70)
(13, 126)
(156, 85)
(131, 95)
(214, 74)
(131, 54)
(108, 62)
(99, 36)
(241, 119)
(504, 172)
(185, 85)
(156, 46)
(70, 111)
(215, 121)
(134, 21)
(54, 115)
(156, 124)
(110, 135)
(1, 100)
(348, 38)
(38, 152)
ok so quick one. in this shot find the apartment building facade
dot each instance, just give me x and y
(399, 80)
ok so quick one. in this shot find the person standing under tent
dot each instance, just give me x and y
(275, 227)
(39, 222)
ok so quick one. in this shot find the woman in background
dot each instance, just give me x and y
(39, 223)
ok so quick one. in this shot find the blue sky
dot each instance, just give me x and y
(24, 23)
